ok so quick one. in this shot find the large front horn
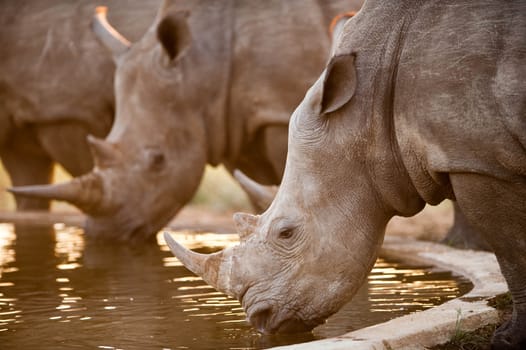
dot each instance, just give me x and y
(214, 268)
(261, 196)
(109, 36)
(84, 192)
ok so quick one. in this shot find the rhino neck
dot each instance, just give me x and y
(378, 53)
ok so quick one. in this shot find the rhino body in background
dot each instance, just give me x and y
(431, 109)
(56, 85)
(210, 82)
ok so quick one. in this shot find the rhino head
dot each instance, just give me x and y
(310, 251)
(152, 161)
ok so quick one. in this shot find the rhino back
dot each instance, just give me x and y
(56, 82)
(460, 92)
(446, 91)
(52, 66)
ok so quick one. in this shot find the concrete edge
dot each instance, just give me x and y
(437, 325)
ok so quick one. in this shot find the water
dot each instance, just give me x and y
(59, 292)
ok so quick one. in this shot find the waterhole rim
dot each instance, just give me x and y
(436, 325)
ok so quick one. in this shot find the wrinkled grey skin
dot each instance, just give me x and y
(432, 109)
(210, 82)
(56, 85)
(463, 235)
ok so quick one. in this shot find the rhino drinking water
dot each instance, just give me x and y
(421, 101)
(56, 85)
(210, 82)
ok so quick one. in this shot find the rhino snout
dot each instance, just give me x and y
(270, 320)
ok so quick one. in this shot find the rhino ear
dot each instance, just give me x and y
(339, 83)
(108, 35)
(173, 34)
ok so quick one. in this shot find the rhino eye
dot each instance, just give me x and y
(157, 161)
(286, 233)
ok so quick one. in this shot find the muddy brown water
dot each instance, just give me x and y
(59, 292)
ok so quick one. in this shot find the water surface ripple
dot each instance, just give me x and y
(59, 292)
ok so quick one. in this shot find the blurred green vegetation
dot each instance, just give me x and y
(218, 191)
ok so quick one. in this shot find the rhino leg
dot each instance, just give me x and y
(66, 143)
(497, 209)
(27, 164)
(266, 160)
(276, 140)
(463, 235)
(273, 143)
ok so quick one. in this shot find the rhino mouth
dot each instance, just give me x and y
(269, 319)
(121, 229)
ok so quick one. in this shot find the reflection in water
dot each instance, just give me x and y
(59, 292)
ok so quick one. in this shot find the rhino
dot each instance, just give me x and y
(420, 101)
(209, 83)
(56, 86)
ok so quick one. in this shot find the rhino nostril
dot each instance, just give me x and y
(267, 322)
(259, 319)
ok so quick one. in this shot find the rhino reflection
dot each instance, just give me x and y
(99, 295)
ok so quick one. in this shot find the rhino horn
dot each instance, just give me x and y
(245, 224)
(104, 153)
(84, 192)
(108, 35)
(260, 195)
(207, 266)
(336, 26)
